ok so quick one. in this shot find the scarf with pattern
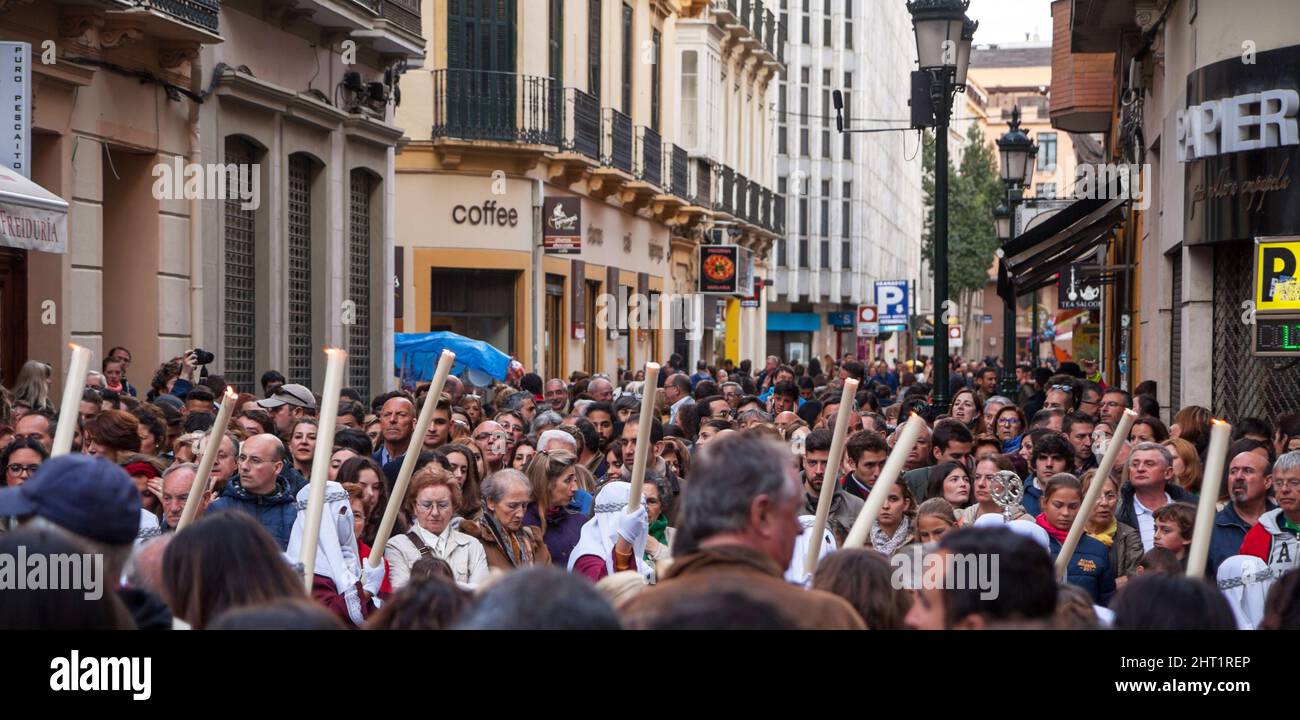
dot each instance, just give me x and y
(516, 545)
(887, 544)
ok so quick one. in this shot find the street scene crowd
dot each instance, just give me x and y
(517, 514)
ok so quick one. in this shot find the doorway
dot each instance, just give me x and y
(13, 313)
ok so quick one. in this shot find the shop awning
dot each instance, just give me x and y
(1033, 258)
(793, 322)
(31, 217)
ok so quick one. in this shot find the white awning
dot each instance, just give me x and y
(31, 217)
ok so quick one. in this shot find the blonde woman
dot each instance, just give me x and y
(32, 388)
(1187, 464)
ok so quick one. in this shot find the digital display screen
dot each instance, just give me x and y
(1277, 336)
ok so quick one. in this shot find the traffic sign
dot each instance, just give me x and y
(954, 336)
(891, 298)
(868, 321)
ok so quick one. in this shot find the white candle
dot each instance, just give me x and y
(335, 358)
(1215, 458)
(445, 361)
(830, 476)
(73, 386)
(888, 478)
(1094, 493)
(215, 437)
(643, 435)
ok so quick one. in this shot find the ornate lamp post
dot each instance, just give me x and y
(1017, 152)
(943, 43)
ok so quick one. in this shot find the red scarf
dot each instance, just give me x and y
(1057, 535)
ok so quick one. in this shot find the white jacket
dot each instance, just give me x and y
(463, 553)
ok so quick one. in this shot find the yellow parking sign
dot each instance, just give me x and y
(1277, 275)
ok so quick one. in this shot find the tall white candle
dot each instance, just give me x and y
(73, 386)
(1094, 493)
(643, 449)
(888, 478)
(215, 437)
(1215, 459)
(445, 361)
(335, 359)
(831, 475)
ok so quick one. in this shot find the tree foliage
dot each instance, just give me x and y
(974, 190)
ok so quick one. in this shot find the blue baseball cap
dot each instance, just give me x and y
(85, 495)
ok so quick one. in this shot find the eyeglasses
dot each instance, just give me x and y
(1009, 421)
(429, 505)
(1062, 388)
(16, 469)
(1288, 483)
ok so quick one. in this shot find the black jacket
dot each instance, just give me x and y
(1127, 513)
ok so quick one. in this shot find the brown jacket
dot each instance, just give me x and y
(736, 568)
(497, 557)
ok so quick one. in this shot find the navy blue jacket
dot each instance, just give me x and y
(1089, 568)
(1229, 532)
(1032, 502)
(275, 512)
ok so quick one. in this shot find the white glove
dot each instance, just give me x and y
(371, 578)
(634, 526)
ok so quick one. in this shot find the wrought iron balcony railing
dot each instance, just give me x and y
(701, 183)
(582, 123)
(505, 107)
(404, 13)
(617, 146)
(199, 13)
(678, 171)
(649, 156)
(740, 201)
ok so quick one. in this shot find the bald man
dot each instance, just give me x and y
(259, 490)
(454, 388)
(785, 419)
(177, 482)
(491, 440)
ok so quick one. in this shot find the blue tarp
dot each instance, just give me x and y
(417, 355)
(793, 322)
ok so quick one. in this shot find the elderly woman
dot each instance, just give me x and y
(508, 543)
(1009, 426)
(431, 499)
(659, 511)
(554, 479)
(613, 540)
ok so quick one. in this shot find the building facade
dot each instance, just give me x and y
(228, 173)
(1155, 82)
(854, 201)
(609, 111)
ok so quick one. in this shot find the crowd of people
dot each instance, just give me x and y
(519, 512)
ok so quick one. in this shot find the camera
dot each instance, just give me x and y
(201, 356)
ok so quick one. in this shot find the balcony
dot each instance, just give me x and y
(186, 21)
(778, 214)
(649, 156)
(726, 191)
(617, 145)
(581, 123)
(754, 26)
(701, 183)
(740, 202)
(678, 171)
(397, 30)
(496, 107)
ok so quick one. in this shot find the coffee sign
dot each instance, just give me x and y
(562, 225)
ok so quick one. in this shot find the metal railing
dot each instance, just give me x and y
(746, 9)
(755, 196)
(200, 13)
(404, 13)
(649, 156)
(727, 190)
(506, 107)
(677, 170)
(582, 123)
(617, 146)
(701, 182)
(778, 214)
(724, 6)
(740, 203)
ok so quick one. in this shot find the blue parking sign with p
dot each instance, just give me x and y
(892, 300)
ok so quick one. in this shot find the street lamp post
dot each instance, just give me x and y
(943, 42)
(1018, 154)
